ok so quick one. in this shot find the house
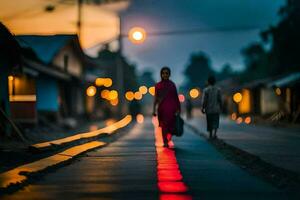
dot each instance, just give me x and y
(53, 68)
(9, 63)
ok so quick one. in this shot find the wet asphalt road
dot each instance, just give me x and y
(126, 169)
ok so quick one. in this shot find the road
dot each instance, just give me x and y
(276, 145)
(127, 169)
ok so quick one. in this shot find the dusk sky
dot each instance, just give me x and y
(174, 50)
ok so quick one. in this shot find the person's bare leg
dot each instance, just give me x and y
(165, 139)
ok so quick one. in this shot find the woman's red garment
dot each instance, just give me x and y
(166, 93)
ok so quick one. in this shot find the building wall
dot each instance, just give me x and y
(74, 64)
(47, 94)
(268, 101)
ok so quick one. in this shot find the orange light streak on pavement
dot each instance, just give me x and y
(108, 129)
(170, 180)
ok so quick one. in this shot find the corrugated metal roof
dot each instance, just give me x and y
(288, 80)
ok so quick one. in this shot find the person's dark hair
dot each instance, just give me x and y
(211, 80)
(165, 68)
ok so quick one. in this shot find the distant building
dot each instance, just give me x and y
(52, 79)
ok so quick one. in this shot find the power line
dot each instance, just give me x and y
(200, 31)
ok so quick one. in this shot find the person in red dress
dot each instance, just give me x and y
(166, 98)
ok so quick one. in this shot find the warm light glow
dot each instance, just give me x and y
(113, 94)
(105, 94)
(129, 95)
(107, 82)
(152, 90)
(106, 130)
(168, 173)
(194, 93)
(248, 120)
(138, 95)
(237, 97)
(139, 118)
(137, 35)
(245, 104)
(110, 122)
(233, 116)
(10, 78)
(15, 98)
(278, 91)
(143, 89)
(181, 98)
(239, 120)
(114, 102)
(99, 82)
(91, 91)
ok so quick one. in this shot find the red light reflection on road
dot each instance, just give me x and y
(169, 177)
(175, 197)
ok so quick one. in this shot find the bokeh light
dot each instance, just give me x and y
(129, 95)
(239, 120)
(137, 35)
(248, 120)
(143, 89)
(237, 97)
(105, 94)
(10, 78)
(107, 82)
(114, 102)
(181, 98)
(194, 93)
(152, 90)
(113, 94)
(139, 118)
(99, 82)
(138, 95)
(91, 91)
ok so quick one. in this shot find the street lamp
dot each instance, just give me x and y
(137, 35)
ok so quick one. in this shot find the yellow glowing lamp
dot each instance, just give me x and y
(113, 95)
(107, 82)
(194, 93)
(138, 95)
(237, 97)
(91, 91)
(143, 89)
(129, 95)
(10, 78)
(152, 90)
(137, 35)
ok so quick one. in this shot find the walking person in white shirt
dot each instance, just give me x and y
(211, 106)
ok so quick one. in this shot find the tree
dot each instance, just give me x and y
(257, 62)
(285, 39)
(226, 72)
(198, 70)
(147, 79)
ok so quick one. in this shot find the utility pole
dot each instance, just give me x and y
(79, 18)
(120, 71)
